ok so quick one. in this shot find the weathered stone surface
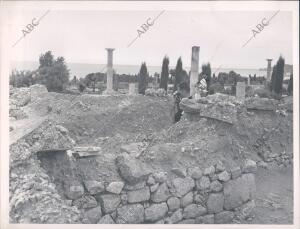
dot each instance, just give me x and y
(175, 217)
(94, 214)
(195, 172)
(74, 192)
(249, 166)
(137, 196)
(131, 169)
(161, 194)
(154, 187)
(160, 177)
(236, 172)
(209, 171)
(220, 167)
(179, 172)
(173, 203)
(85, 202)
(106, 220)
(130, 214)
(206, 219)
(224, 176)
(156, 212)
(137, 186)
(115, 187)
(109, 202)
(203, 183)
(246, 210)
(133, 149)
(187, 221)
(238, 191)
(224, 217)
(215, 202)
(94, 187)
(216, 186)
(200, 197)
(186, 199)
(151, 180)
(193, 210)
(182, 186)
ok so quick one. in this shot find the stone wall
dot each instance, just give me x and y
(212, 195)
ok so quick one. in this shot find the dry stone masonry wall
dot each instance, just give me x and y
(195, 196)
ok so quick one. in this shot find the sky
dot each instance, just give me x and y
(82, 36)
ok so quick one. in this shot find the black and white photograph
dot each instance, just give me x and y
(149, 113)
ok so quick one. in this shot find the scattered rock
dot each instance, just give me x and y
(249, 166)
(193, 210)
(182, 186)
(85, 202)
(224, 176)
(238, 191)
(186, 200)
(130, 214)
(106, 220)
(131, 169)
(109, 202)
(94, 214)
(173, 203)
(94, 187)
(137, 196)
(156, 212)
(224, 217)
(216, 186)
(203, 183)
(115, 187)
(161, 194)
(215, 202)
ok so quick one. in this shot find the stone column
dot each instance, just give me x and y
(110, 71)
(194, 69)
(269, 69)
(132, 89)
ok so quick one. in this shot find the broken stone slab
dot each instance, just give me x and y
(238, 191)
(182, 186)
(130, 214)
(156, 212)
(131, 169)
(215, 202)
(161, 194)
(137, 196)
(224, 217)
(106, 220)
(115, 187)
(193, 211)
(94, 187)
(134, 149)
(109, 202)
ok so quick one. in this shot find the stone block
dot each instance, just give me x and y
(216, 186)
(173, 203)
(203, 183)
(182, 186)
(85, 202)
(161, 194)
(115, 187)
(94, 214)
(193, 211)
(175, 217)
(215, 202)
(224, 217)
(156, 212)
(94, 187)
(106, 220)
(137, 196)
(206, 219)
(186, 199)
(109, 202)
(249, 166)
(224, 176)
(236, 172)
(130, 214)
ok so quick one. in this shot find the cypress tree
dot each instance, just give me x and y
(143, 79)
(164, 74)
(178, 74)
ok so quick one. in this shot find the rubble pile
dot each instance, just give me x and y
(33, 195)
(160, 92)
